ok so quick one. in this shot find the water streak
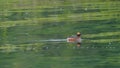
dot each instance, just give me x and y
(54, 40)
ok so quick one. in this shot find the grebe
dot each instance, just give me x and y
(75, 39)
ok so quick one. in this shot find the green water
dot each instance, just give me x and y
(25, 24)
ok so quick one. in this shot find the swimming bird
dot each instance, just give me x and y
(75, 39)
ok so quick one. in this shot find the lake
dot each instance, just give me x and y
(33, 34)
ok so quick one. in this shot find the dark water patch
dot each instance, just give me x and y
(53, 24)
(109, 65)
(109, 52)
(86, 10)
(14, 16)
(47, 13)
(96, 26)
